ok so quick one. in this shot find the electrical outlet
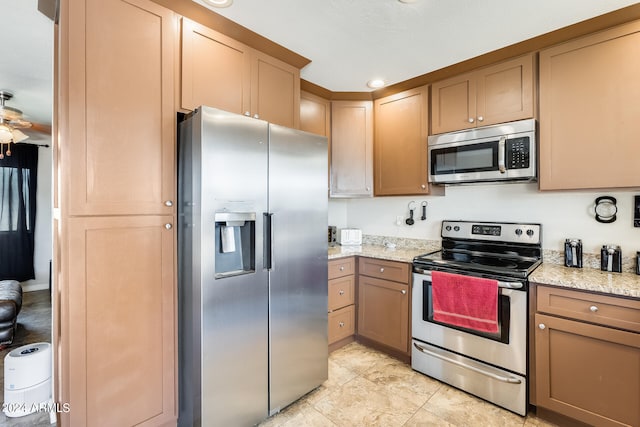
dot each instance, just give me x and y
(399, 220)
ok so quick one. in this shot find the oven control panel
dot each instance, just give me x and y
(494, 231)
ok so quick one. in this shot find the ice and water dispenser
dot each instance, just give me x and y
(235, 243)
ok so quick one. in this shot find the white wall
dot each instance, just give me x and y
(43, 233)
(562, 214)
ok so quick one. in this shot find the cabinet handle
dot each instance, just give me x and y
(341, 292)
(168, 203)
(342, 268)
(168, 226)
(594, 309)
(471, 120)
(381, 269)
(541, 326)
(341, 324)
(480, 118)
(403, 292)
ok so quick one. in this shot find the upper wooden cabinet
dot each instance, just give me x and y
(500, 93)
(315, 114)
(351, 149)
(400, 143)
(120, 130)
(221, 72)
(589, 110)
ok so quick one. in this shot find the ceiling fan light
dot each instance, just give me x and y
(219, 3)
(6, 134)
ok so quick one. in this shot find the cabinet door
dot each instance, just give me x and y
(315, 114)
(216, 70)
(587, 372)
(400, 144)
(275, 90)
(505, 92)
(351, 149)
(383, 312)
(589, 109)
(120, 337)
(119, 154)
(453, 104)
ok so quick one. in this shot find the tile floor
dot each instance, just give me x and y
(368, 388)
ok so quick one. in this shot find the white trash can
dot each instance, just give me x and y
(27, 379)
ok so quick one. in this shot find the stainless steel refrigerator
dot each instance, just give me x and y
(252, 267)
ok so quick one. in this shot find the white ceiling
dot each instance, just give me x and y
(348, 41)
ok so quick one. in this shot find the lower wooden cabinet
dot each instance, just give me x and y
(383, 304)
(341, 302)
(586, 369)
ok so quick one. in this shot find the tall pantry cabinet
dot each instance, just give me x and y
(114, 213)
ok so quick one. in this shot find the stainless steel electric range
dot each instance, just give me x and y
(490, 365)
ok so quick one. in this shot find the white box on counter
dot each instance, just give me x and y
(349, 236)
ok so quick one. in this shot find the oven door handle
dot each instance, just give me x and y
(510, 380)
(504, 285)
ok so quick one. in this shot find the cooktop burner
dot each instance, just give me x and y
(504, 249)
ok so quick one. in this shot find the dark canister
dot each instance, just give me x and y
(637, 262)
(573, 253)
(611, 258)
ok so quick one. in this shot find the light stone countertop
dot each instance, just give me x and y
(587, 279)
(375, 251)
(549, 273)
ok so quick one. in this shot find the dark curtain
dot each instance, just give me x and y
(18, 179)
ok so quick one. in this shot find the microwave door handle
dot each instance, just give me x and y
(501, 154)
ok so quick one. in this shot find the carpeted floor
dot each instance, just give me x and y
(34, 325)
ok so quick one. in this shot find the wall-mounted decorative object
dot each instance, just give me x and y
(606, 209)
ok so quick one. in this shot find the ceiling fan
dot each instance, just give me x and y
(11, 121)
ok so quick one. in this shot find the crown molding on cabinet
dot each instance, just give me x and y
(208, 18)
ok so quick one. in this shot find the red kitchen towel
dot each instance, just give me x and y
(465, 301)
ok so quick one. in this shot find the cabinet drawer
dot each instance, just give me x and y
(341, 292)
(601, 309)
(389, 270)
(341, 267)
(341, 324)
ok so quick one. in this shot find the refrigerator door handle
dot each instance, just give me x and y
(268, 241)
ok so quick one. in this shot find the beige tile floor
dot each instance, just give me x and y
(368, 388)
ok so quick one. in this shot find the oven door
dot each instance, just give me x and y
(506, 349)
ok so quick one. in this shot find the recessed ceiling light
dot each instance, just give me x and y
(219, 3)
(375, 83)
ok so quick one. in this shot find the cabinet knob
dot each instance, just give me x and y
(255, 116)
(541, 326)
(168, 203)
(168, 226)
(248, 114)
(381, 269)
(403, 292)
(423, 186)
(594, 309)
(480, 118)
(341, 292)
(471, 120)
(368, 188)
(342, 268)
(341, 324)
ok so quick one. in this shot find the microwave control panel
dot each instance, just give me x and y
(518, 153)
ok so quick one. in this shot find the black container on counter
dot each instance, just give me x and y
(573, 253)
(637, 262)
(611, 258)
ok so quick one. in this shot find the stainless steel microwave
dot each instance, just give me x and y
(504, 152)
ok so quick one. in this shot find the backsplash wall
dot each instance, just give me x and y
(562, 214)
